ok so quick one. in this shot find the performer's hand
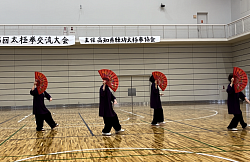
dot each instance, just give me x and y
(34, 85)
(247, 100)
(161, 94)
(104, 82)
(103, 88)
(232, 80)
(50, 99)
(155, 84)
(115, 102)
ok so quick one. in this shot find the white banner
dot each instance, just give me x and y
(36, 40)
(115, 40)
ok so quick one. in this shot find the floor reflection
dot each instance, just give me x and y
(237, 137)
(109, 143)
(43, 143)
(158, 137)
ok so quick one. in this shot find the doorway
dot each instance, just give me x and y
(202, 30)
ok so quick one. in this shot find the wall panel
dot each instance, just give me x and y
(194, 72)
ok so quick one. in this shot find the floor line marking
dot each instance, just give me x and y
(132, 113)
(1, 156)
(216, 112)
(97, 123)
(87, 126)
(96, 149)
(141, 148)
(191, 138)
(24, 118)
(178, 121)
(9, 119)
(77, 126)
(11, 136)
(193, 126)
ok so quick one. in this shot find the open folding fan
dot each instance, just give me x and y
(42, 82)
(111, 77)
(240, 79)
(161, 79)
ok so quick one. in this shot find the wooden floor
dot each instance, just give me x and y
(191, 133)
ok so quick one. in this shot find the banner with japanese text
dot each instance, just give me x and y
(114, 40)
(36, 40)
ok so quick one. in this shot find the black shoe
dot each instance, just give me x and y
(232, 129)
(55, 126)
(121, 130)
(155, 124)
(246, 126)
(106, 134)
(41, 130)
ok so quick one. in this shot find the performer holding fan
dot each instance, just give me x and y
(39, 108)
(157, 78)
(238, 81)
(106, 98)
(111, 77)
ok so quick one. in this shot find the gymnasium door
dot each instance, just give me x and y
(202, 30)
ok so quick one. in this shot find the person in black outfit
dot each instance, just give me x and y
(106, 110)
(39, 109)
(233, 104)
(155, 103)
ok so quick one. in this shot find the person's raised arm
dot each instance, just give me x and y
(154, 87)
(102, 89)
(230, 87)
(232, 81)
(34, 86)
(156, 84)
(104, 85)
(33, 92)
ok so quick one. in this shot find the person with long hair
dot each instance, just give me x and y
(106, 110)
(155, 103)
(233, 105)
(40, 110)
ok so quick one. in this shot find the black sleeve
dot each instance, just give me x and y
(242, 96)
(34, 92)
(47, 95)
(112, 97)
(230, 89)
(102, 93)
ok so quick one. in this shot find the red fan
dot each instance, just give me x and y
(111, 77)
(161, 79)
(240, 79)
(42, 82)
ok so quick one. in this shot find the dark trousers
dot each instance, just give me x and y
(41, 117)
(236, 119)
(111, 122)
(158, 116)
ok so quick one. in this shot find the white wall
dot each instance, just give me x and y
(241, 55)
(240, 8)
(194, 72)
(113, 11)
